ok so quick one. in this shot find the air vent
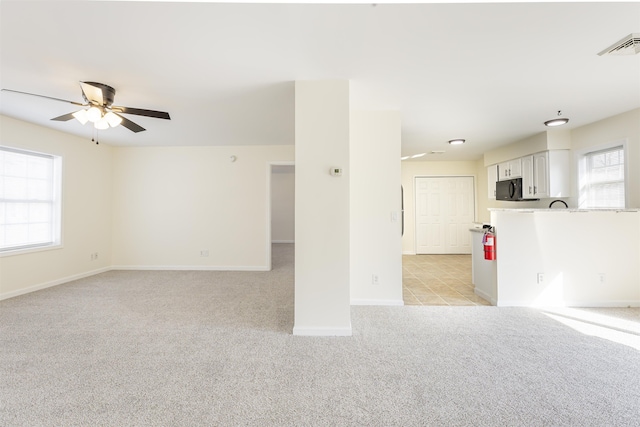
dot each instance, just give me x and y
(629, 45)
(437, 152)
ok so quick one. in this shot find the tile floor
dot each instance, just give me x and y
(438, 280)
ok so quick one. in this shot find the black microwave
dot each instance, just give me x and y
(510, 189)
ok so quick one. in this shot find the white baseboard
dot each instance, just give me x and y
(360, 301)
(485, 296)
(575, 304)
(322, 332)
(193, 267)
(283, 241)
(6, 295)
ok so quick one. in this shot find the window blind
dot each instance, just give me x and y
(605, 178)
(29, 199)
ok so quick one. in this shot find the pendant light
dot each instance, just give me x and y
(559, 121)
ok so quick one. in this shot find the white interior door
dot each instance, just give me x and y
(445, 210)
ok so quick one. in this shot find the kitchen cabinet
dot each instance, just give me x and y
(492, 177)
(510, 169)
(546, 175)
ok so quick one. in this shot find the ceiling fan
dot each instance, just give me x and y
(101, 112)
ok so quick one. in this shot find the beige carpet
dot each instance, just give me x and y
(131, 348)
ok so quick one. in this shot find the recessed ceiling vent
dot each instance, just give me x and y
(629, 45)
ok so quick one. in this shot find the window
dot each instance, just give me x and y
(29, 200)
(602, 182)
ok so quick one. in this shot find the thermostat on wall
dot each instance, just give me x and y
(336, 171)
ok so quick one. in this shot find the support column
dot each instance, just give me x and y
(322, 301)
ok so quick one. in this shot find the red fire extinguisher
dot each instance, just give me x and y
(489, 242)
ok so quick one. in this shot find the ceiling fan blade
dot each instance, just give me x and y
(43, 96)
(64, 117)
(92, 93)
(133, 127)
(141, 112)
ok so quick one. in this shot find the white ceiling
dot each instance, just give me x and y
(490, 73)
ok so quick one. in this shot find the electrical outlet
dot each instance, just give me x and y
(204, 253)
(601, 278)
(94, 256)
(374, 279)
(540, 278)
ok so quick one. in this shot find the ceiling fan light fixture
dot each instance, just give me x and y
(113, 119)
(456, 141)
(81, 116)
(94, 114)
(558, 121)
(101, 124)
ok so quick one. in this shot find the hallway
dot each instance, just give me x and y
(438, 280)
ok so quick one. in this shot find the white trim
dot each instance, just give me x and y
(270, 166)
(579, 156)
(322, 332)
(52, 283)
(394, 302)
(484, 296)
(30, 250)
(576, 304)
(282, 241)
(193, 267)
(408, 253)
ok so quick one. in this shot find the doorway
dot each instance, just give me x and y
(281, 209)
(440, 271)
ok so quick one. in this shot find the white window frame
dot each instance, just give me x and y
(56, 219)
(582, 156)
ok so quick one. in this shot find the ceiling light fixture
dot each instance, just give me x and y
(415, 156)
(98, 117)
(456, 141)
(113, 119)
(94, 114)
(81, 116)
(101, 124)
(559, 121)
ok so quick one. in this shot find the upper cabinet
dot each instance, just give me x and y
(546, 175)
(492, 177)
(509, 170)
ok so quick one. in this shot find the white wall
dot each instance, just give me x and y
(171, 203)
(322, 305)
(283, 204)
(571, 249)
(625, 126)
(376, 244)
(553, 139)
(411, 170)
(86, 210)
